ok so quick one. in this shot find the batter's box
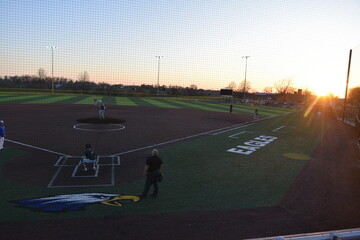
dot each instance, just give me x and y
(70, 174)
(109, 160)
(67, 161)
(79, 171)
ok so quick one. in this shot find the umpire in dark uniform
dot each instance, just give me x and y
(153, 173)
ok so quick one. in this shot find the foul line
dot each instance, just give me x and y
(213, 132)
(278, 128)
(39, 148)
(233, 136)
(172, 141)
(234, 128)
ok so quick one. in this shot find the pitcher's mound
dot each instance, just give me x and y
(101, 121)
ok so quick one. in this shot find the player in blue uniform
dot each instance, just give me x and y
(2, 134)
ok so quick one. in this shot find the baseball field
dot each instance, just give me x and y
(226, 175)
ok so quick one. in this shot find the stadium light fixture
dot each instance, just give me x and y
(158, 75)
(52, 67)
(246, 58)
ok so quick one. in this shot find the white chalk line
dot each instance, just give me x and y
(39, 148)
(233, 136)
(278, 128)
(231, 129)
(54, 177)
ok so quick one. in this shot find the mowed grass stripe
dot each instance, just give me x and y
(177, 103)
(74, 99)
(109, 100)
(50, 99)
(218, 107)
(141, 102)
(22, 98)
(5, 95)
(87, 100)
(124, 101)
(273, 110)
(225, 107)
(207, 107)
(159, 103)
(184, 104)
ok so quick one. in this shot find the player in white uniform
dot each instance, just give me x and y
(101, 110)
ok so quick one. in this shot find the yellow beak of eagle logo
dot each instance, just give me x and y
(117, 201)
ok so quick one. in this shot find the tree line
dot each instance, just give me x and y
(41, 80)
(282, 86)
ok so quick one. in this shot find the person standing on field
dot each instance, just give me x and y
(153, 173)
(101, 110)
(2, 134)
(256, 115)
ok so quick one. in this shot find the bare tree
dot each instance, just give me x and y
(193, 89)
(193, 86)
(41, 73)
(84, 77)
(284, 86)
(232, 85)
(244, 86)
(268, 90)
(354, 96)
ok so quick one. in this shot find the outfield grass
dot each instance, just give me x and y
(200, 175)
(264, 111)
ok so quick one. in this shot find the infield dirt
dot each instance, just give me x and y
(325, 195)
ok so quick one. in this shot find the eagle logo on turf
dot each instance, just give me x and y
(75, 202)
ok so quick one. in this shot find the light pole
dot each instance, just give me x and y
(347, 85)
(52, 67)
(246, 58)
(158, 75)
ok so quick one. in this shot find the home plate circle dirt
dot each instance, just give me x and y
(297, 156)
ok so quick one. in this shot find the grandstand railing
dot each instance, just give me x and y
(341, 234)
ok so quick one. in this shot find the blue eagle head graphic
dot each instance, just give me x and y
(74, 202)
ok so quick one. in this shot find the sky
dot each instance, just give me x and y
(201, 42)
